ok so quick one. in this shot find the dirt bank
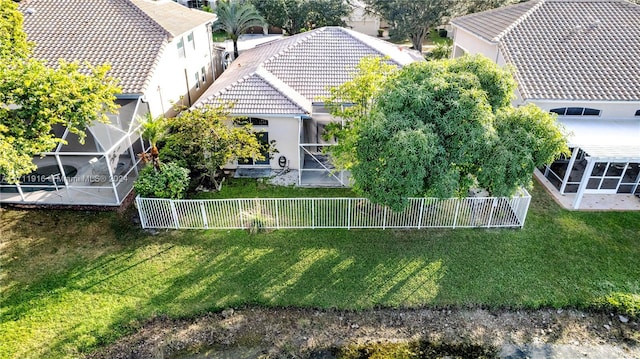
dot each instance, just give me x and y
(307, 333)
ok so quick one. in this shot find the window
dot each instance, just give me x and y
(190, 40)
(197, 80)
(181, 52)
(638, 113)
(204, 75)
(253, 121)
(575, 111)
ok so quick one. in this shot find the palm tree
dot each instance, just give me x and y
(235, 17)
(153, 130)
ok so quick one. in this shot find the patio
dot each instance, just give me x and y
(590, 202)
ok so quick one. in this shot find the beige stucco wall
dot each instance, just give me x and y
(362, 22)
(283, 130)
(174, 80)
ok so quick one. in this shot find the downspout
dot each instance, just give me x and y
(210, 37)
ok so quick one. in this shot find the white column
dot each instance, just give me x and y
(569, 168)
(583, 182)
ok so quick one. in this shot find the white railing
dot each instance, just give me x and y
(279, 213)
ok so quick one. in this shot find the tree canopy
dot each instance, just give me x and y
(440, 128)
(294, 16)
(235, 18)
(411, 19)
(35, 97)
(202, 140)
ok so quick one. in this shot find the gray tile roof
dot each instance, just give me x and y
(569, 49)
(301, 68)
(128, 34)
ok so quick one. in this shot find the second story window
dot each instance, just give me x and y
(197, 80)
(191, 41)
(181, 53)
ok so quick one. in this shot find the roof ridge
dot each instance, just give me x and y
(148, 17)
(300, 38)
(302, 102)
(522, 18)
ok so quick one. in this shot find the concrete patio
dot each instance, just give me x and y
(591, 202)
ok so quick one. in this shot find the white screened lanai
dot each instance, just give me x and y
(605, 158)
(100, 171)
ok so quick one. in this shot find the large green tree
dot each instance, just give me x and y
(204, 140)
(352, 102)
(295, 15)
(235, 17)
(411, 19)
(442, 127)
(35, 97)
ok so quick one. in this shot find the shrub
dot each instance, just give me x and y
(170, 182)
(441, 51)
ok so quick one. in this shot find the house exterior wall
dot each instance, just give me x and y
(174, 79)
(609, 110)
(284, 131)
(466, 42)
(362, 22)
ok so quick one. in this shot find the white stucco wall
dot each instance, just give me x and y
(174, 80)
(464, 41)
(609, 110)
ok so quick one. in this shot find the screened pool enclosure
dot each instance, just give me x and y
(100, 171)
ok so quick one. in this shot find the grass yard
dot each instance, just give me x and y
(72, 281)
(250, 188)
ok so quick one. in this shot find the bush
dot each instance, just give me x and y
(441, 51)
(170, 182)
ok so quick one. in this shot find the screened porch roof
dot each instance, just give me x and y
(606, 140)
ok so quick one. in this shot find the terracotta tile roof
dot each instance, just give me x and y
(128, 34)
(301, 68)
(569, 49)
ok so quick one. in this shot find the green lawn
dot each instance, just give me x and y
(72, 281)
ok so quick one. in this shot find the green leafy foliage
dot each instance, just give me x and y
(235, 18)
(34, 98)
(440, 51)
(171, 181)
(411, 19)
(353, 101)
(294, 16)
(440, 128)
(203, 140)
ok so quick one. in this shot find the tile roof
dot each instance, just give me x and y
(301, 68)
(128, 34)
(568, 49)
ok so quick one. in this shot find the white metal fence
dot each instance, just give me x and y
(489, 212)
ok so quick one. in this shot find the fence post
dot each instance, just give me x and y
(313, 214)
(455, 218)
(141, 212)
(277, 216)
(240, 214)
(349, 215)
(527, 202)
(493, 208)
(175, 214)
(204, 215)
(384, 219)
(421, 212)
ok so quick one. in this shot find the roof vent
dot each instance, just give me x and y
(30, 11)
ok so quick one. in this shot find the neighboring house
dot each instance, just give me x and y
(161, 53)
(579, 59)
(280, 85)
(362, 21)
